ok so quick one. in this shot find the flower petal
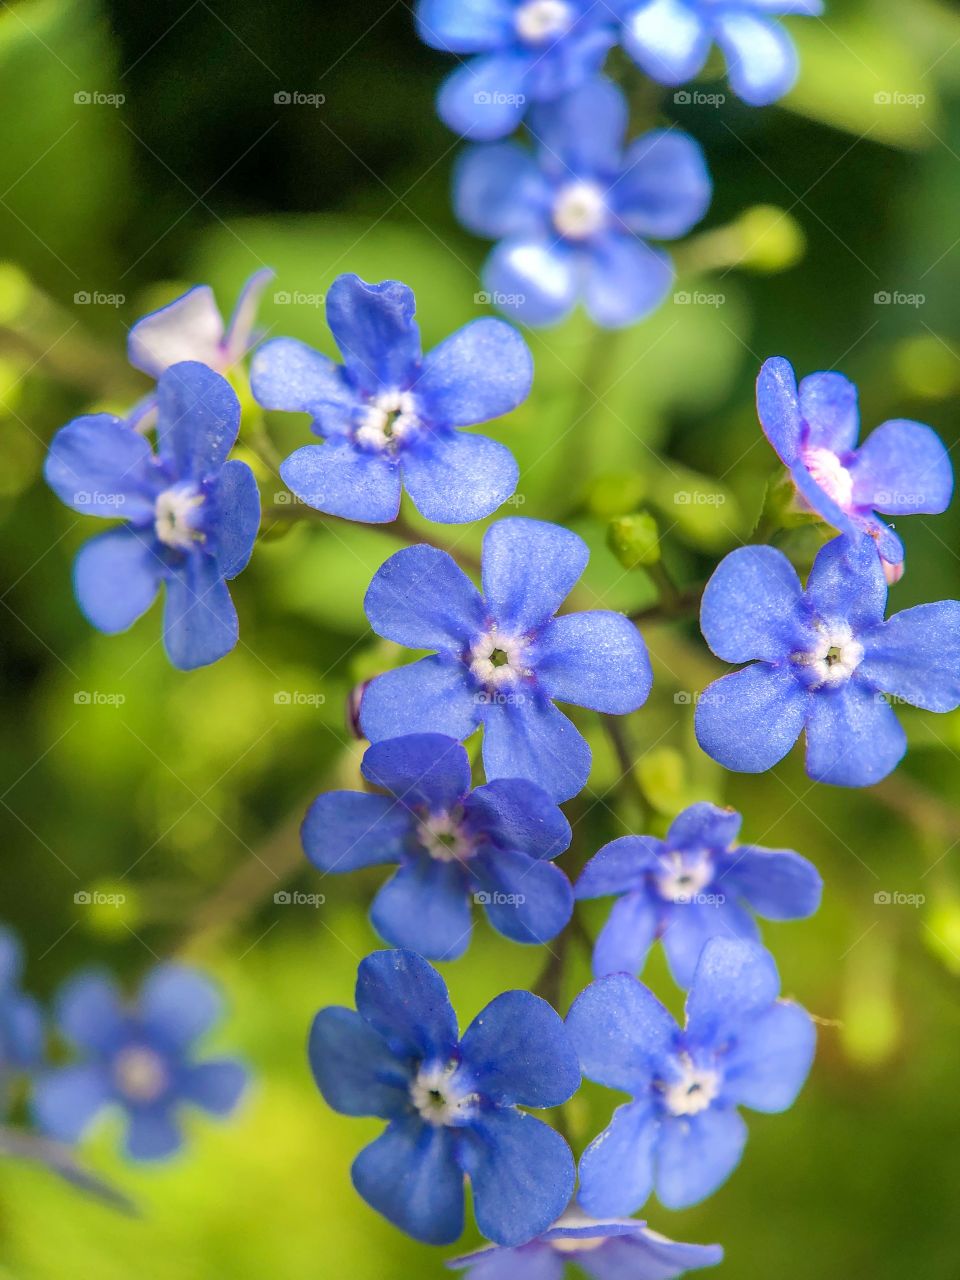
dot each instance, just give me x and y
(668, 39)
(735, 981)
(198, 419)
(345, 481)
(179, 1004)
(620, 866)
(626, 280)
(617, 1169)
(421, 598)
(761, 59)
(846, 583)
(902, 468)
(854, 738)
(240, 335)
(423, 770)
(189, 328)
(915, 655)
(704, 826)
(345, 830)
(99, 467)
(778, 883)
(116, 577)
(63, 1102)
(596, 660)
(532, 739)
(405, 1000)
(433, 695)
(691, 926)
(522, 1173)
(625, 940)
(287, 374)
(830, 410)
(511, 814)
(529, 569)
(374, 328)
(481, 372)
(214, 1086)
(749, 720)
(664, 189)
(751, 606)
(697, 1154)
(200, 623)
(771, 1059)
(538, 281)
(582, 132)
(465, 26)
(152, 1135)
(426, 905)
(89, 1012)
(484, 98)
(455, 478)
(533, 1261)
(353, 1067)
(499, 191)
(778, 406)
(621, 1032)
(409, 1174)
(525, 899)
(518, 1052)
(238, 507)
(648, 1256)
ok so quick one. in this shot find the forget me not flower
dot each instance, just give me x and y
(902, 467)
(502, 657)
(140, 1057)
(390, 415)
(682, 1135)
(451, 1102)
(454, 846)
(573, 218)
(696, 884)
(612, 1249)
(190, 517)
(21, 1022)
(527, 51)
(824, 658)
(670, 40)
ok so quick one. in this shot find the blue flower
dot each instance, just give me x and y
(502, 657)
(696, 884)
(824, 659)
(573, 219)
(682, 1135)
(670, 40)
(615, 1249)
(451, 1102)
(901, 469)
(528, 51)
(21, 1022)
(491, 846)
(138, 1057)
(389, 415)
(190, 517)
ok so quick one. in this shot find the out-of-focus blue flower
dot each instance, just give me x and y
(696, 884)
(574, 218)
(455, 846)
(190, 517)
(502, 658)
(902, 468)
(527, 51)
(670, 40)
(682, 1135)
(615, 1249)
(822, 660)
(451, 1102)
(139, 1057)
(390, 416)
(21, 1022)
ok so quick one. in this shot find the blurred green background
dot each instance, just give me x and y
(183, 792)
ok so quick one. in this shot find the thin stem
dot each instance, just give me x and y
(685, 604)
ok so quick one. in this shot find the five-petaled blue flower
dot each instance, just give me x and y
(140, 1057)
(502, 657)
(572, 220)
(190, 517)
(696, 884)
(528, 51)
(452, 1102)
(821, 661)
(682, 1135)
(670, 40)
(455, 846)
(902, 467)
(611, 1249)
(390, 415)
(21, 1022)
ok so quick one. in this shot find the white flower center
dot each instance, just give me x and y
(684, 876)
(175, 514)
(834, 657)
(497, 661)
(388, 418)
(580, 210)
(830, 474)
(540, 20)
(140, 1073)
(440, 1098)
(443, 838)
(693, 1090)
